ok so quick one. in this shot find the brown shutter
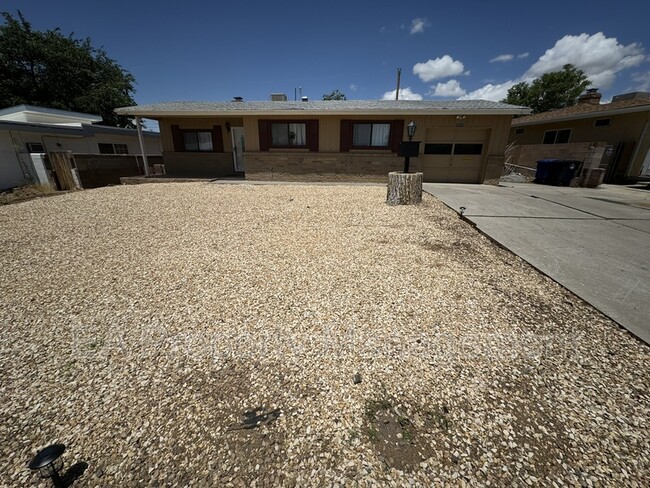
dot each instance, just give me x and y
(346, 135)
(396, 134)
(217, 139)
(265, 134)
(177, 139)
(312, 135)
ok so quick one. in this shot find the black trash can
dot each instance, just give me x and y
(558, 172)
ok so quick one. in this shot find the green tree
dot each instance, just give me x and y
(335, 95)
(49, 69)
(550, 91)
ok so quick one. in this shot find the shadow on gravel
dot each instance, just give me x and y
(257, 417)
(73, 473)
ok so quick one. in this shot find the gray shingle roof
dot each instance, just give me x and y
(324, 107)
(585, 110)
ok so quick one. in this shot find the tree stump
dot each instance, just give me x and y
(404, 188)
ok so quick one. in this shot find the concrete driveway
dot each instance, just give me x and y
(595, 242)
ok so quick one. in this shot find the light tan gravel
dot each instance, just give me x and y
(147, 327)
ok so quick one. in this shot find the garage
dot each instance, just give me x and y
(454, 155)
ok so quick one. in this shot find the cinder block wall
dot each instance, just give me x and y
(324, 166)
(97, 170)
(527, 155)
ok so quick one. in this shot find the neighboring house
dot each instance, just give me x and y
(27, 129)
(462, 141)
(621, 128)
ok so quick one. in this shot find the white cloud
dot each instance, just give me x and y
(492, 92)
(600, 57)
(418, 25)
(404, 94)
(383, 29)
(353, 86)
(523, 55)
(450, 88)
(642, 81)
(502, 58)
(443, 67)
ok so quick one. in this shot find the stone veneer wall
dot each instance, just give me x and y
(312, 166)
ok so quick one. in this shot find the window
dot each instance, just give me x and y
(370, 135)
(603, 122)
(108, 148)
(557, 136)
(464, 149)
(288, 134)
(35, 147)
(197, 141)
(468, 149)
(520, 130)
(375, 135)
(438, 148)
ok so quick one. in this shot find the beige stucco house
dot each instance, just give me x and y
(462, 141)
(620, 130)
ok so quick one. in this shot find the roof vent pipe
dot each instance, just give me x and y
(305, 99)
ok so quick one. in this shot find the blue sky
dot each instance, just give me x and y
(214, 50)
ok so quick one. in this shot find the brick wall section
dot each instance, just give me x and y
(198, 165)
(368, 167)
(493, 169)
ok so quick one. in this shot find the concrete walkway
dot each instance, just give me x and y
(595, 242)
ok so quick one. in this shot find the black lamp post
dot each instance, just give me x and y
(48, 463)
(410, 129)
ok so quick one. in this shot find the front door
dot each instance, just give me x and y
(238, 147)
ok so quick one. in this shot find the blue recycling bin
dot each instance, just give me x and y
(558, 172)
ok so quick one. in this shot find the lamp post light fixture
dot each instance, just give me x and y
(48, 463)
(410, 130)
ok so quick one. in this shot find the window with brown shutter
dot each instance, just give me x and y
(371, 134)
(288, 134)
(197, 140)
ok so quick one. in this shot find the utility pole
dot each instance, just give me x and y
(399, 75)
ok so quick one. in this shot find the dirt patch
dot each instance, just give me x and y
(24, 193)
(401, 440)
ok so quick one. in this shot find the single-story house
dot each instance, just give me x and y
(621, 127)
(27, 130)
(346, 140)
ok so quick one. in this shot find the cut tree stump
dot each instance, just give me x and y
(404, 188)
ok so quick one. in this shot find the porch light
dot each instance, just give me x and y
(411, 128)
(48, 463)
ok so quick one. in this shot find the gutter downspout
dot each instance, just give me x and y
(141, 139)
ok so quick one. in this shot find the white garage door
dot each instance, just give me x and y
(454, 155)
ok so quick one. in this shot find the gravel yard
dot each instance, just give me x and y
(199, 334)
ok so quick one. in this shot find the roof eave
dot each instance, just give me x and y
(587, 115)
(298, 112)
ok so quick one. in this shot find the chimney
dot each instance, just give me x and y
(278, 97)
(591, 97)
(237, 99)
